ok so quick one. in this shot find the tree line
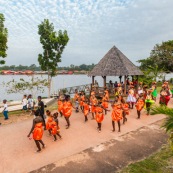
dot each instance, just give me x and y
(33, 67)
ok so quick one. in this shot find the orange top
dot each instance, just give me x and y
(99, 114)
(117, 112)
(76, 96)
(105, 102)
(82, 98)
(49, 121)
(92, 93)
(38, 132)
(86, 108)
(107, 93)
(67, 108)
(125, 108)
(60, 105)
(140, 104)
(94, 102)
(54, 128)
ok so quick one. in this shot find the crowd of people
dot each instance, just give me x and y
(139, 97)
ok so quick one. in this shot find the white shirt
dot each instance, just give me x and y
(24, 102)
(30, 102)
(5, 107)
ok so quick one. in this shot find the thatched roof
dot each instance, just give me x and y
(115, 63)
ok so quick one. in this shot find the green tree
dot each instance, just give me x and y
(3, 39)
(53, 44)
(168, 123)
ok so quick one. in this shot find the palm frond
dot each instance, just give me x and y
(168, 124)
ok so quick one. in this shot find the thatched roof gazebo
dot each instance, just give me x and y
(115, 63)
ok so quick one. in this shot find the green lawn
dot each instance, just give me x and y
(161, 162)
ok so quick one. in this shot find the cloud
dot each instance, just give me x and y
(94, 26)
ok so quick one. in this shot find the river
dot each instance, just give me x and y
(58, 82)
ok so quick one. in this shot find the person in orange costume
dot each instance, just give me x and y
(49, 121)
(93, 102)
(67, 110)
(55, 129)
(60, 105)
(99, 115)
(116, 113)
(37, 130)
(82, 98)
(76, 100)
(107, 92)
(139, 105)
(86, 109)
(105, 101)
(125, 108)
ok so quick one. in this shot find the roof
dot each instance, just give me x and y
(115, 63)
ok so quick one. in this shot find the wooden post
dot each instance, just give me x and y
(93, 80)
(120, 77)
(125, 78)
(137, 78)
(104, 81)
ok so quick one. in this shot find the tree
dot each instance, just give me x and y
(53, 44)
(3, 39)
(34, 85)
(162, 54)
(168, 123)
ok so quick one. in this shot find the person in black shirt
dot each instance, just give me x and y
(41, 110)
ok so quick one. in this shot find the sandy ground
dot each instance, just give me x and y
(111, 156)
(17, 151)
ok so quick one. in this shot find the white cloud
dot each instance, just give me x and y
(94, 26)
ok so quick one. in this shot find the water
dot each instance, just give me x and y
(58, 82)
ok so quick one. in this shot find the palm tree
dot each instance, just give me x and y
(168, 123)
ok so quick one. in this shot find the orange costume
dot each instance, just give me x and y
(107, 93)
(48, 124)
(82, 100)
(54, 128)
(140, 104)
(125, 108)
(86, 108)
(99, 114)
(105, 102)
(67, 108)
(60, 106)
(38, 131)
(117, 112)
(76, 96)
(93, 103)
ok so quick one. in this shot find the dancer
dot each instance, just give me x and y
(67, 110)
(60, 105)
(82, 98)
(94, 102)
(131, 100)
(125, 108)
(116, 114)
(99, 115)
(105, 101)
(37, 131)
(49, 121)
(55, 127)
(149, 101)
(139, 105)
(76, 100)
(154, 91)
(86, 109)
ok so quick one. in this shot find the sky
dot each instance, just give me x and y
(93, 26)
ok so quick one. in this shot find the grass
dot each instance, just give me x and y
(160, 162)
